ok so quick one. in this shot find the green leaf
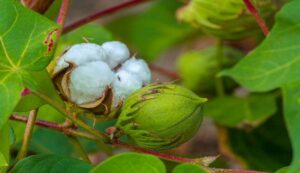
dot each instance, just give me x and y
(239, 112)
(153, 31)
(4, 146)
(45, 86)
(189, 168)
(276, 60)
(10, 93)
(51, 164)
(291, 94)
(131, 163)
(23, 48)
(266, 148)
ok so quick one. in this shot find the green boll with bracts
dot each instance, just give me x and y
(227, 19)
(161, 116)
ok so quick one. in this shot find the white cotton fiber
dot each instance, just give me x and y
(124, 84)
(117, 52)
(89, 81)
(139, 68)
(81, 54)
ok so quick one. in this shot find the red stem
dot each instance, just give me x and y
(61, 128)
(260, 21)
(104, 12)
(155, 153)
(42, 123)
(63, 13)
(164, 71)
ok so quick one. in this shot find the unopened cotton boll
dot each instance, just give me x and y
(139, 68)
(125, 83)
(89, 81)
(117, 52)
(80, 54)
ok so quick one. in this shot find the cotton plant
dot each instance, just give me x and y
(99, 77)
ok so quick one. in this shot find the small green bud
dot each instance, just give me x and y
(227, 19)
(161, 116)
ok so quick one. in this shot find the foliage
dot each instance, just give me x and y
(254, 101)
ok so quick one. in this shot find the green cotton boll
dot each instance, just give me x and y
(227, 19)
(198, 69)
(161, 116)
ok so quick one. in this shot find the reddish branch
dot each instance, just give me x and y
(62, 15)
(54, 126)
(72, 131)
(104, 12)
(260, 21)
(170, 74)
(155, 153)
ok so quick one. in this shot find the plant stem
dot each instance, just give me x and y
(78, 122)
(62, 16)
(155, 153)
(57, 127)
(54, 126)
(170, 74)
(27, 135)
(104, 12)
(219, 56)
(79, 148)
(260, 21)
(102, 137)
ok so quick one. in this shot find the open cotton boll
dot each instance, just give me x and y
(117, 52)
(139, 68)
(89, 81)
(124, 84)
(80, 54)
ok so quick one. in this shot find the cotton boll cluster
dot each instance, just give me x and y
(86, 72)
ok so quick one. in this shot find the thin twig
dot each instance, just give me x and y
(62, 16)
(260, 21)
(27, 135)
(102, 137)
(54, 126)
(155, 153)
(57, 127)
(104, 12)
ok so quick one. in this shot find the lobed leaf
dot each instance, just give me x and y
(276, 61)
(25, 45)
